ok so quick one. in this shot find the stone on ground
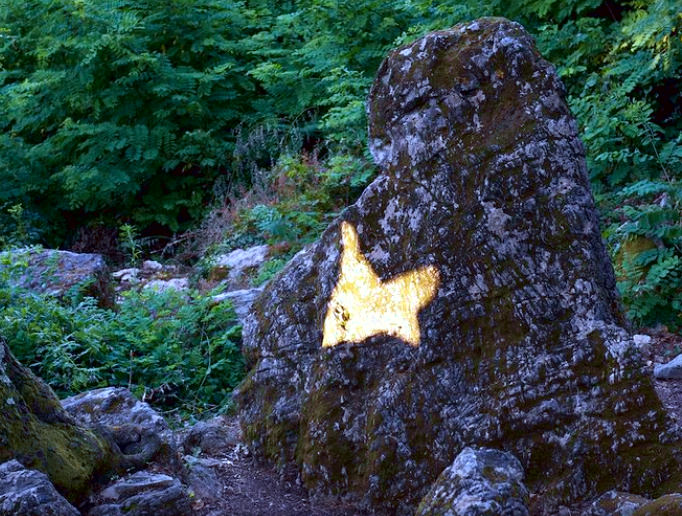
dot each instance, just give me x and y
(138, 430)
(143, 494)
(58, 273)
(39, 433)
(26, 492)
(234, 267)
(669, 371)
(481, 482)
(615, 503)
(466, 299)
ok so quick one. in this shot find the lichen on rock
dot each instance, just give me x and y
(521, 348)
(36, 431)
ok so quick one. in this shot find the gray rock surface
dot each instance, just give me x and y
(616, 503)
(26, 492)
(667, 505)
(202, 478)
(241, 300)
(138, 430)
(208, 437)
(466, 299)
(143, 494)
(481, 482)
(669, 371)
(36, 431)
(56, 273)
(233, 267)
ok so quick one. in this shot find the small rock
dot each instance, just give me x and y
(241, 300)
(26, 492)
(667, 505)
(615, 503)
(179, 284)
(129, 275)
(137, 428)
(143, 494)
(641, 340)
(212, 437)
(151, 266)
(202, 480)
(234, 266)
(483, 482)
(670, 371)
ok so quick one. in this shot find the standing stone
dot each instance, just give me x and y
(466, 299)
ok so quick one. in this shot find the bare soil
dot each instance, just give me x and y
(250, 488)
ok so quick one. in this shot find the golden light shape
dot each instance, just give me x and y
(361, 305)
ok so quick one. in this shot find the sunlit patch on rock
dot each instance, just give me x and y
(362, 305)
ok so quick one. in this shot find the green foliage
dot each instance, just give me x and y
(129, 240)
(19, 231)
(119, 107)
(175, 351)
(646, 236)
(137, 111)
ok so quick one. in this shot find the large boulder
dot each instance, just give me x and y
(58, 273)
(466, 299)
(142, 494)
(36, 431)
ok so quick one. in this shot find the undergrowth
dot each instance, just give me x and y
(179, 351)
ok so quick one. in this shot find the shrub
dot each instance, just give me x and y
(174, 352)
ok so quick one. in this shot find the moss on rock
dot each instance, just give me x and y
(521, 349)
(37, 432)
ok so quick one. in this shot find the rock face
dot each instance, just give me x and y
(466, 299)
(35, 430)
(57, 273)
(25, 492)
(481, 482)
(667, 505)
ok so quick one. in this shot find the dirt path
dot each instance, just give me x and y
(234, 483)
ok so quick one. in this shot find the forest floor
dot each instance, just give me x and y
(248, 487)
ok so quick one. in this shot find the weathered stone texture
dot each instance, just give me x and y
(481, 482)
(35, 430)
(143, 494)
(58, 273)
(522, 347)
(26, 492)
(140, 433)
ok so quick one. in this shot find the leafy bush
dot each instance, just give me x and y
(172, 351)
(120, 107)
(132, 111)
(645, 233)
